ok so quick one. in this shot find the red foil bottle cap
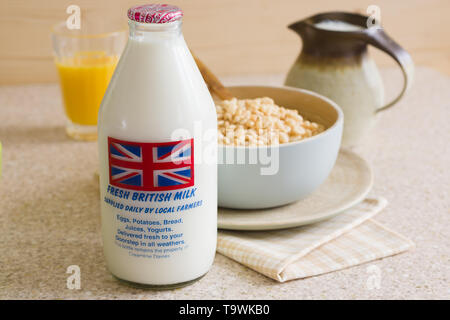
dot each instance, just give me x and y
(155, 13)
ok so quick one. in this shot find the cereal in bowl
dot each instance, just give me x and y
(258, 122)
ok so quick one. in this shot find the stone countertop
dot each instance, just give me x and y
(49, 206)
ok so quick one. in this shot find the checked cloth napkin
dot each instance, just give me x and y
(348, 239)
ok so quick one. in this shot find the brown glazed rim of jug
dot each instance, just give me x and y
(332, 45)
(352, 18)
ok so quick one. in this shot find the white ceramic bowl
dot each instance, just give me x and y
(302, 166)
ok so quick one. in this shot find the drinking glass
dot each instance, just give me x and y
(85, 59)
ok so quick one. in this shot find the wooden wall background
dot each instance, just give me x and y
(231, 36)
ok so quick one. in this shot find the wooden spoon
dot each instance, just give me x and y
(214, 85)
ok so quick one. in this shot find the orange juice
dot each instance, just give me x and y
(84, 79)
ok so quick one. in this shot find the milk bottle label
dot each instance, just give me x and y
(151, 186)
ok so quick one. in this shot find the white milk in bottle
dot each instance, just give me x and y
(157, 134)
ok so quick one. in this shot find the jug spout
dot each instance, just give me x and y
(298, 27)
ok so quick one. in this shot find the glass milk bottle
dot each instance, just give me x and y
(157, 139)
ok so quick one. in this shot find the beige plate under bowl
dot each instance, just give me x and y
(349, 182)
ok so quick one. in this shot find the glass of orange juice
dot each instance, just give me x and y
(85, 61)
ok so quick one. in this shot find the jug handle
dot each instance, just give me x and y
(379, 39)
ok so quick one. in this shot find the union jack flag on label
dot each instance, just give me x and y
(151, 166)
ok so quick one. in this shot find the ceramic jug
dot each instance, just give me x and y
(334, 62)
